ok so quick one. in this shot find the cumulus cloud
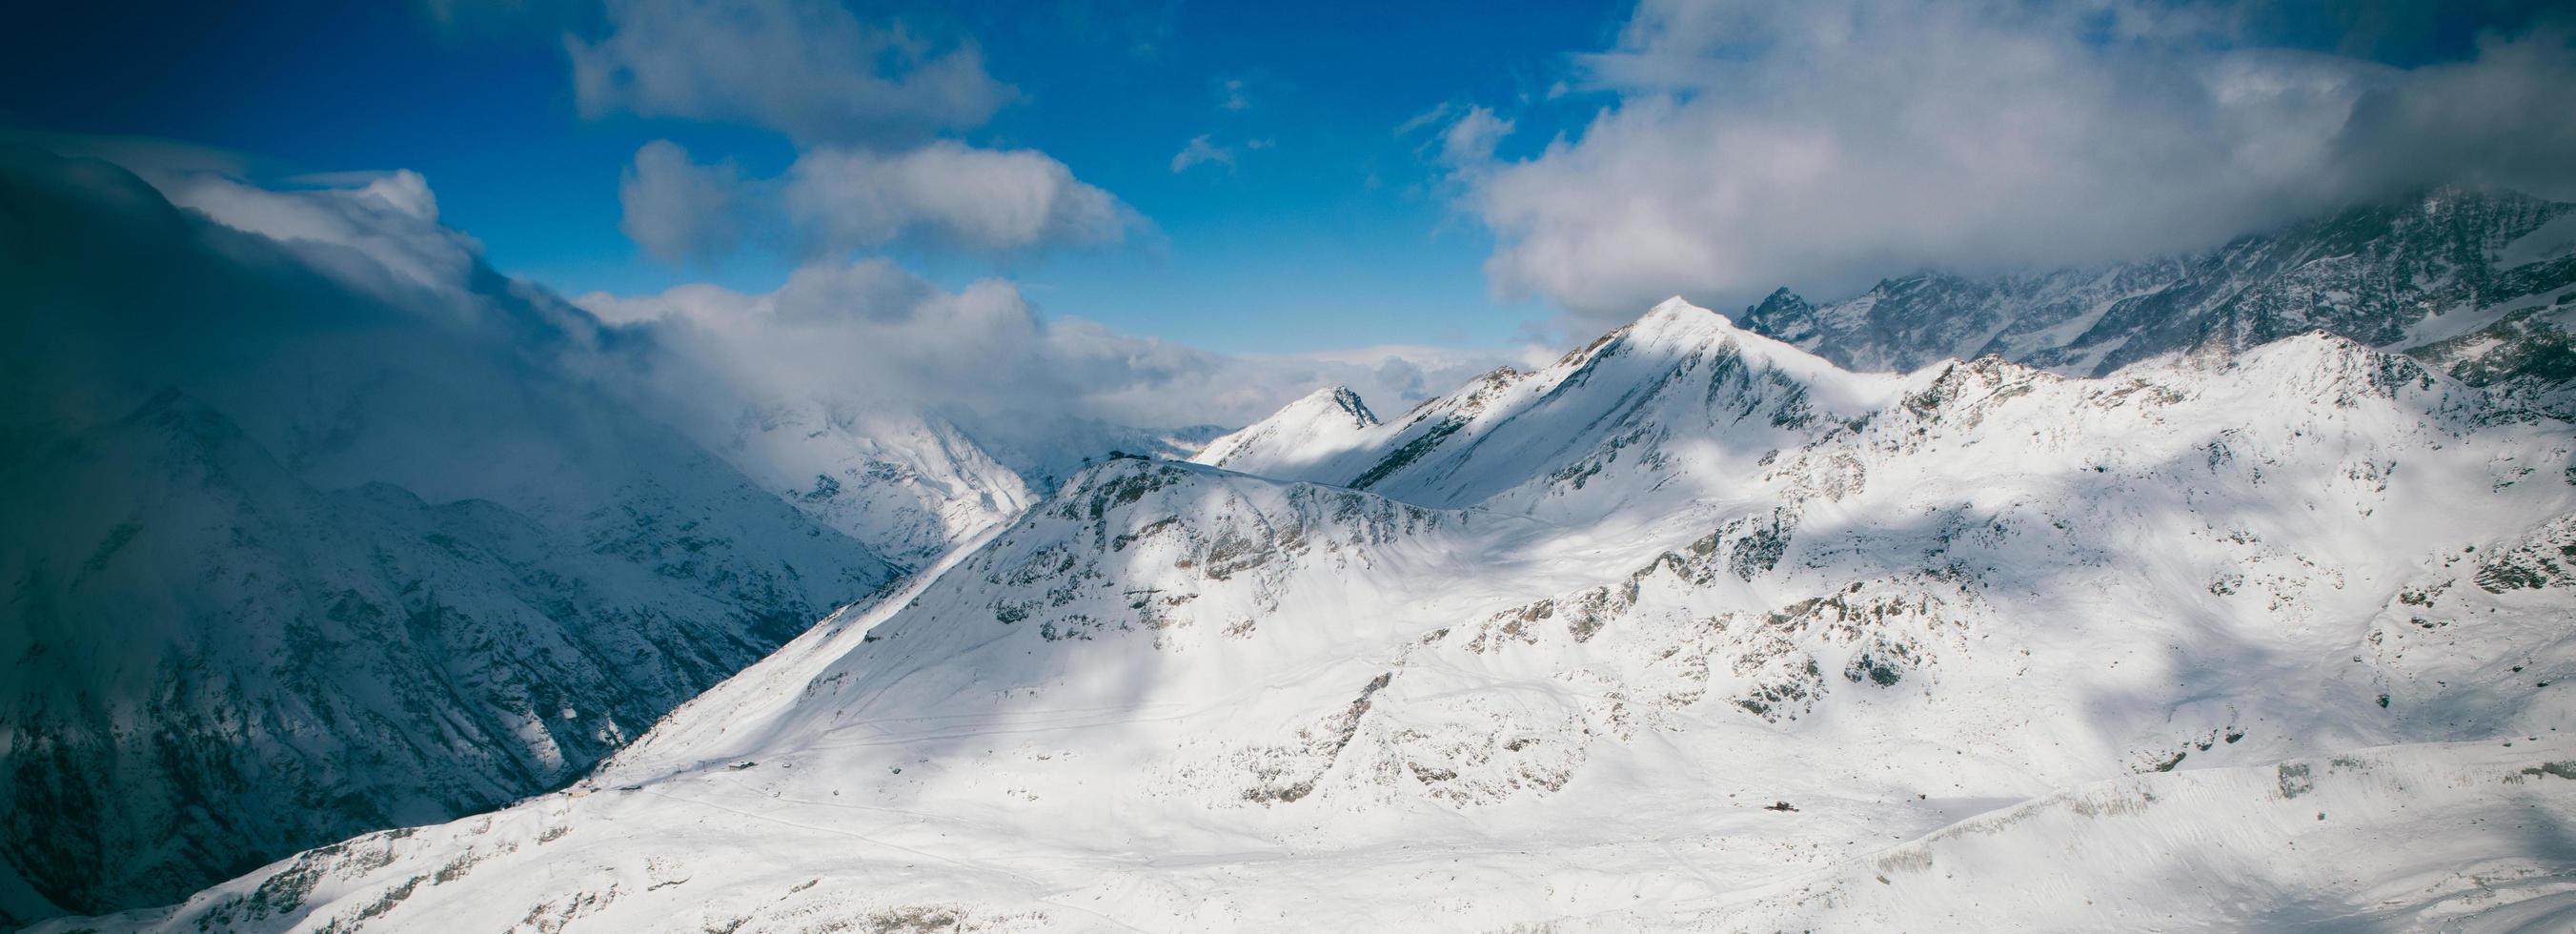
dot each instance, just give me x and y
(838, 199)
(677, 209)
(1202, 152)
(948, 192)
(808, 68)
(1822, 145)
(866, 105)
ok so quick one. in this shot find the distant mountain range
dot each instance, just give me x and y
(1690, 630)
(2472, 282)
(2060, 601)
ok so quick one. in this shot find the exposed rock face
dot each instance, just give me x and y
(2475, 282)
(1689, 630)
(287, 558)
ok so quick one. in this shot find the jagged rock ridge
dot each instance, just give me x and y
(1689, 630)
(2475, 282)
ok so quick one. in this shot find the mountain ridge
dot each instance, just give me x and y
(299, 551)
(2405, 275)
(1688, 630)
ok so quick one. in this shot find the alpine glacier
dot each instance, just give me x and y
(1691, 630)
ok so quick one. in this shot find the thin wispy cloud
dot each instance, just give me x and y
(1470, 139)
(1202, 152)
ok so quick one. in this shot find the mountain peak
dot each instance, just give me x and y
(1324, 421)
(1340, 399)
(1674, 307)
(1678, 316)
(1680, 329)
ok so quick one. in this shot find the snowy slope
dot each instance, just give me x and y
(2472, 281)
(294, 553)
(2447, 837)
(334, 661)
(1675, 408)
(1324, 423)
(1690, 629)
(906, 481)
(906, 484)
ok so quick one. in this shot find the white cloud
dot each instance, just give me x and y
(1463, 136)
(1470, 140)
(866, 105)
(1822, 145)
(677, 209)
(1439, 113)
(808, 68)
(1202, 152)
(1231, 95)
(867, 333)
(872, 333)
(843, 199)
(379, 230)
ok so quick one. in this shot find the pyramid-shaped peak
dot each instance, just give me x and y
(1678, 309)
(1338, 399)
(1677, 325)
(1676, 317)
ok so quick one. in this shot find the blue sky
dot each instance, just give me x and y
(1334, 235)
(1713, 149)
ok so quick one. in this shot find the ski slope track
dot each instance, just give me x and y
(1690, 630)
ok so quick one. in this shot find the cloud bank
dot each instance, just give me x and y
(364, 254)
(871, 333)
(1823, 145)
(377, 230)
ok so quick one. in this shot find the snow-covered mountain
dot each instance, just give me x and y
(908, 482)
(295, 552)
(1324, 423)
(1689, 630)
(2475, 282)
